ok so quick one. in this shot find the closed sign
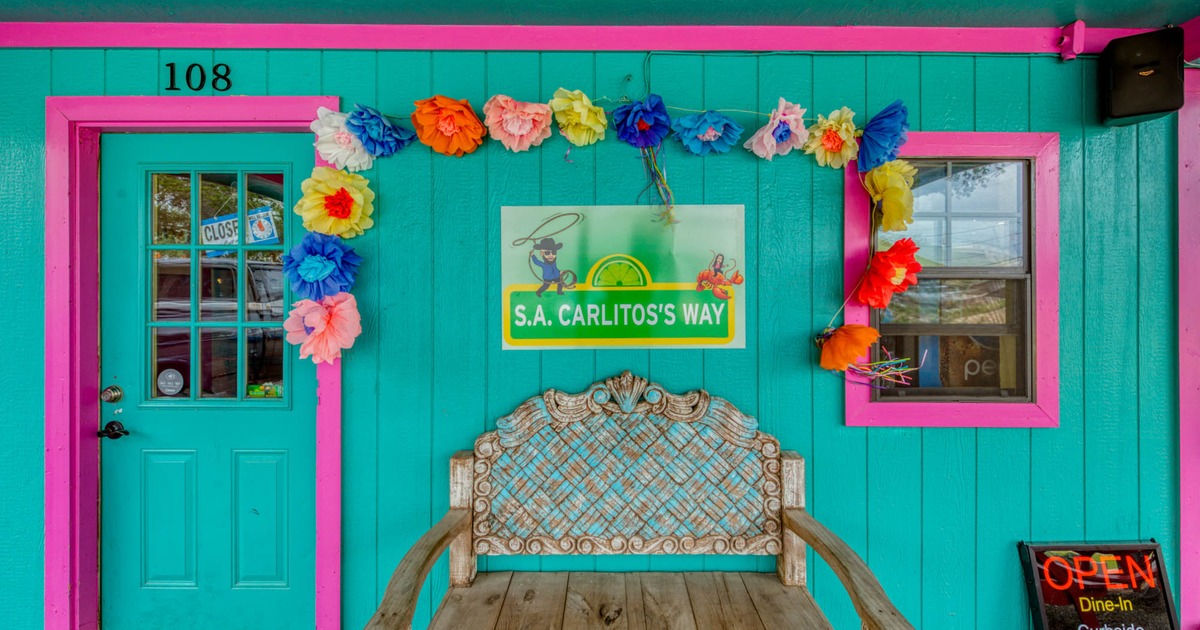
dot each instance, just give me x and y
(223, 229)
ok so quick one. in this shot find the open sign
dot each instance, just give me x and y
(1085, 587)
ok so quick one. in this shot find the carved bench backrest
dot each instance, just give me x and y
(626, 467)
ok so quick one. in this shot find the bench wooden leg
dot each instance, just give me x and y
(462, 552)
(790, 564)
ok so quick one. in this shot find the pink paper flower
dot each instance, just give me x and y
(517, 124)
(782, 133)
(323, 329)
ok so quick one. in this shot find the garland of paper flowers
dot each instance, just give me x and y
(337, 204)
(322, 269)
(888, 180)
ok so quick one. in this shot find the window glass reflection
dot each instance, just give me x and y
(958, 301)
(171, 216)
(968, 214)
(171, 286)
(171, 356)
(218, 362)
(218, 286)
(264, 362)
(960, 366)
(264, 286)
(219, 209)
(264, 208)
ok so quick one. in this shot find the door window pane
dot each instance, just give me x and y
(264, 362)
(171, 216)
(218, 362)
(264, 286)
(218, 287)
(171, 356)
(171, 286)
(212, 285)
(219, 209)
(264, 208)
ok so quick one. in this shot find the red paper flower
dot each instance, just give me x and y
(891, 271)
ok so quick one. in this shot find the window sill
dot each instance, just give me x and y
(949, 415)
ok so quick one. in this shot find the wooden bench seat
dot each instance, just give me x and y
(628, 601)
(626, 467)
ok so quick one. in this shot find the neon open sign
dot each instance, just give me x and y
(1121, 586)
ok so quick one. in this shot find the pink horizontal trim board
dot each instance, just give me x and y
(72, 316)
(1189, 353)
(1041, 147)
(505, 37)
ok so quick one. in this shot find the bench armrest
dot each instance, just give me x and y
(400, 599)
(874, 608)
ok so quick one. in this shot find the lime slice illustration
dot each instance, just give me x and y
(619, 272)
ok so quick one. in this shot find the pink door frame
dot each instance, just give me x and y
(1189, 353)
(72, 305)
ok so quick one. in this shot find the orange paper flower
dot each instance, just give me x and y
(844, 345)
(448, 126)
(891, 271)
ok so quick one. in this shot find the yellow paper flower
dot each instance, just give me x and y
(833, 139)
(336, 202)
(580, 122)
(890, 186)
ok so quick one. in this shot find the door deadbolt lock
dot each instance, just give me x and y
(111, 394)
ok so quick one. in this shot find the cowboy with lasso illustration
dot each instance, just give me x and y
(548, 263)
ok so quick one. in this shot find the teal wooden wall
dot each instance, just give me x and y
(935, 512)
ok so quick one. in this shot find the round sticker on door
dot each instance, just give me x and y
(170, 382)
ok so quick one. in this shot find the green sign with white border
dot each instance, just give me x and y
(595, 277)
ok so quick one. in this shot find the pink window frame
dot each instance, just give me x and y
(1042, 148)
(72, 309)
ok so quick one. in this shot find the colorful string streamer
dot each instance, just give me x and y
(658, 179)
(892, 370)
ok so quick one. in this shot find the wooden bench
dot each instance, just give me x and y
(626, 467)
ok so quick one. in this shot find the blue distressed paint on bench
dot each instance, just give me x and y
(626, 467)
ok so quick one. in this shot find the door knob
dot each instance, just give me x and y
(111, 394)
(114, 430)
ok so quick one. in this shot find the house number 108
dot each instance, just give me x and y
(196, 78)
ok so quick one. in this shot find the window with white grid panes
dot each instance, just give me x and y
(217, 293)
(968, 321)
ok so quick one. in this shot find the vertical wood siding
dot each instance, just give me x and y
(936, 512)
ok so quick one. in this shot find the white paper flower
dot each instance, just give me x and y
(336, 144)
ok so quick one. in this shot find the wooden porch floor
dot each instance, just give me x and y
(628, 601)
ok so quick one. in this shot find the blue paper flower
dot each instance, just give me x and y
(321, 266)
(642, 124)
(709, 132)
(379, 135)
(882, 137)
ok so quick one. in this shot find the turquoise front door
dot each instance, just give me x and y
(207, 503)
